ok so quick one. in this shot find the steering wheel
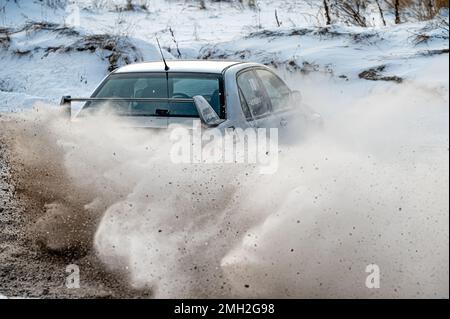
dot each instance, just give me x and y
(180, 95)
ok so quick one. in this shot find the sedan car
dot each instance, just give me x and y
(221, 94)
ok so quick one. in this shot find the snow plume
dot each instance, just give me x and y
(370, 188)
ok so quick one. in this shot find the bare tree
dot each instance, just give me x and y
(353, 10)
(430, 8)
(129, 6)
(277, 19)
(327, 11)
(381, 12)
(397, 11)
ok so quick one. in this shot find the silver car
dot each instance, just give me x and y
(223, 94)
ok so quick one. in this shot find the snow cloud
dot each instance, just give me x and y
(370, 188)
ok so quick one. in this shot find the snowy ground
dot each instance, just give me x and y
(30, 54)
(383, 90)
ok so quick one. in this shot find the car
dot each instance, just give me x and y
(222, 94)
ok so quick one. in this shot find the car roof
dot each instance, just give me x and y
(192, 66)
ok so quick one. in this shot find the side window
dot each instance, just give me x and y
(252, 96)
(276, 89)
(188, 86)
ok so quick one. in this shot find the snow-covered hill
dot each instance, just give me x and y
(48, 51)
(43, 61)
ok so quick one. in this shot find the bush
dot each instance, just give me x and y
(355, 11)
(420, 9)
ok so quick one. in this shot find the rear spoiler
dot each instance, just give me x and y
(66, 101)
(206, 112)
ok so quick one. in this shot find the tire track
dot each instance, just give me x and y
(28, 272)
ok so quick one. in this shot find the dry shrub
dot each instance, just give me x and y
(418, 9)
(442, 4)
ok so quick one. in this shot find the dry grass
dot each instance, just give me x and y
(442, 4)
(422, 9)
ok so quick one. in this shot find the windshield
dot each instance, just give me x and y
(160, 85)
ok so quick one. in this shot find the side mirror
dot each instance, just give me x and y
(206, 112)
(66, 107)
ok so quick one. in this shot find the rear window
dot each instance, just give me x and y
(158, 85)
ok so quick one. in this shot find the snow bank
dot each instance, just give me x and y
(345, 52)
(42, 61)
